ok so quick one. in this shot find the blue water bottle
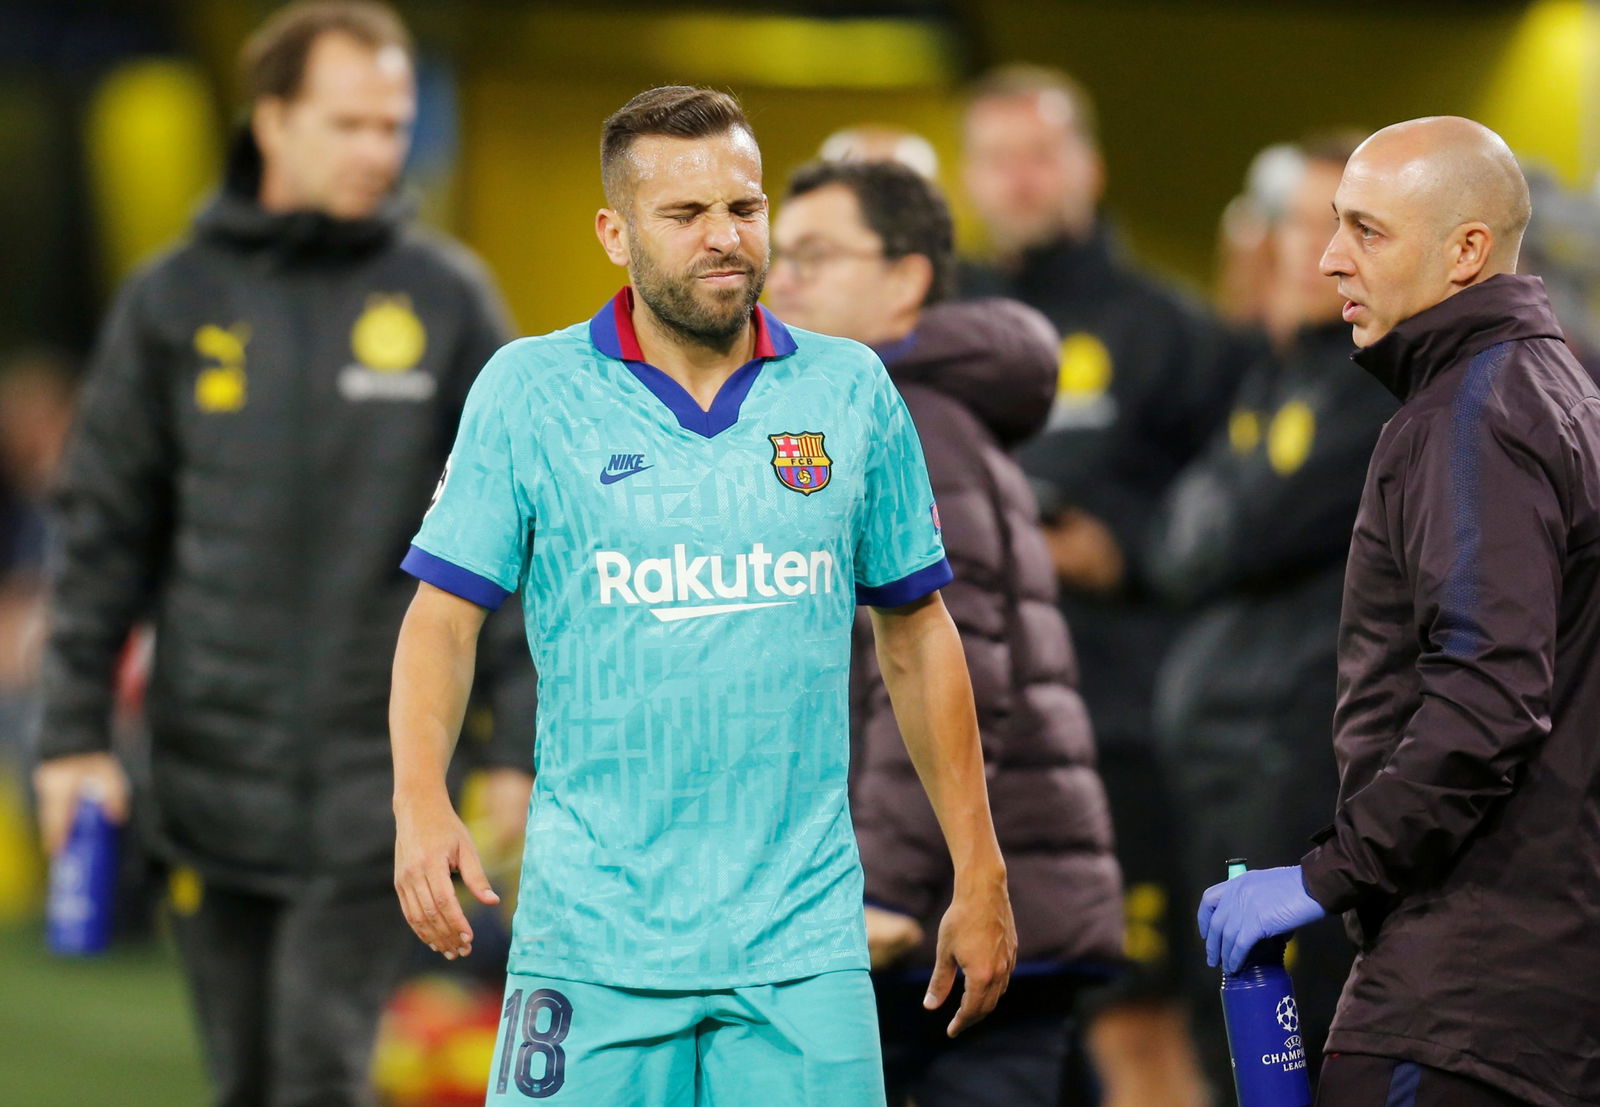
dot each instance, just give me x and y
(1264, 1043)
(83, 883)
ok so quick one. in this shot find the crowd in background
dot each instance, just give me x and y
(1196, 479)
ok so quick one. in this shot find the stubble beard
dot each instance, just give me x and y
(689, 317)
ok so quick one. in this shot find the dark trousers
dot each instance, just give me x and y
(1023, 1055)
(1359, 1080)
(288, 992)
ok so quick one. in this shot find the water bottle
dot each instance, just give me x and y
(83, 883)
(1264, 1043)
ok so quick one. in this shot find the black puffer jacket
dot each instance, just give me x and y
(264, 419)
(1253, 535)
(977, 378)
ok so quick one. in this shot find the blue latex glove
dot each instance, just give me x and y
(1238, 913)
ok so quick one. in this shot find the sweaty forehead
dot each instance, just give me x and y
(723, 167)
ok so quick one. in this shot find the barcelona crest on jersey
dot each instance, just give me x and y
(800, 461)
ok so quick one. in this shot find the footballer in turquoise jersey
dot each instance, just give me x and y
(689, 580)
(691, 499)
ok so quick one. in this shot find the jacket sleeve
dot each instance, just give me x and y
(485, 327)
(114, 510)
(1198, 368)
(1479, 523)
(1245, 513)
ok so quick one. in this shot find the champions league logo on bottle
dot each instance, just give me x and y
(1288, 1014)
(1269, 1070)
(1293, 1056)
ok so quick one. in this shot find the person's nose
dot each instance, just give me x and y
(382, 148)
(722, 233)
(1335, 261)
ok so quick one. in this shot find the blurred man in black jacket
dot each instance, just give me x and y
(268, 408)
(1253, 536)
(1144, 376)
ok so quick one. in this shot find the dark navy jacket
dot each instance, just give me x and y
(1466, 844)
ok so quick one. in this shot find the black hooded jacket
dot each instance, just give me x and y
(267, 411)
(1252, 537)
(1144, 377)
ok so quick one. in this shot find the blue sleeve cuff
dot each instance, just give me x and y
(903, 591)
(454, 579)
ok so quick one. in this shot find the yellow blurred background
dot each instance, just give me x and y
(1187, 92)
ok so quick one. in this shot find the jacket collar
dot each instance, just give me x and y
(1072, 263)
(1503, 308)
(997, 358)
(234, 215)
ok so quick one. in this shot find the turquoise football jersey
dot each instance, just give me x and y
(689, 579)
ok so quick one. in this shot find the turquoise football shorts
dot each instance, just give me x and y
(795, 1044)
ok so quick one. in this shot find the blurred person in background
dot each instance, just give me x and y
(1562, 247)
(864, 250)
(36, 399)
(882, 142)
(1143, 377)
(268, 406)
(1463, 853)
(1252, 537)
(1245, 272)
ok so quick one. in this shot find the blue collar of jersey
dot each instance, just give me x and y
(611, 331)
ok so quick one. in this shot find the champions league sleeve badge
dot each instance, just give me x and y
(800, 461)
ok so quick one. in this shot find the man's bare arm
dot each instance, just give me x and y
(919, 652)
(433, 665)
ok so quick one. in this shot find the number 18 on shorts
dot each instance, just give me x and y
(792, 1044)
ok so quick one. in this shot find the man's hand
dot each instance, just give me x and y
(1238, 913)
(1086, 555)
(977, 934)
(431, 842)
(890, 936)
(59, 783)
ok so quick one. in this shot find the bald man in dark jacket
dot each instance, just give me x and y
(1464, 850)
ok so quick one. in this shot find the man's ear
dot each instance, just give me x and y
(910, 281)
(1099, 178)
(612, 230)
(266, 122)
(1471, 246)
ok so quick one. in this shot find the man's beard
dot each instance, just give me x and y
(673, 301)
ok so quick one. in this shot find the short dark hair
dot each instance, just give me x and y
(676, 111)
(1010, 82)
(901, 207)
(274, 58)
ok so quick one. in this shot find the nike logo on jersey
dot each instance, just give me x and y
(621, 466)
